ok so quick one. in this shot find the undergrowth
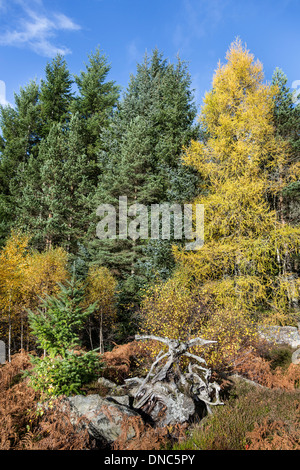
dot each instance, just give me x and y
(260, 416)
(24, 425)
(254, 417)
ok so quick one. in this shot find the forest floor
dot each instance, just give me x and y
(260, 416)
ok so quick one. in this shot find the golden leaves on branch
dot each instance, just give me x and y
(25, 276)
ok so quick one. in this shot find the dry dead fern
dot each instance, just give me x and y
(146, 437)
(119, 361)
(258, 369)
(22, 423)
(273, 435)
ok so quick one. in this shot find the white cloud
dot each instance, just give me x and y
(63, 22)
(3, 101)
(38, 29)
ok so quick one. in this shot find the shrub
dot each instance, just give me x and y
(124, 360)
(274, 435)
(279, 356)
(64, 375)
(146, 437)
(174, 311)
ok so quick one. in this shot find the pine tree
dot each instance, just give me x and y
(65, 367)
(55, 188)
(58, 322)
(56, 94)
(142, 147)
(96, 101)
(287, 123)
(24, 127)
(21, 128)
(286, 113)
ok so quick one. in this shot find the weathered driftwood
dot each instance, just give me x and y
(170, 395)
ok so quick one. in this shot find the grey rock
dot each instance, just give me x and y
(113, 388)
(106, 383)
(296, 357)
(103, 417)
(281, 335)
(122, 399)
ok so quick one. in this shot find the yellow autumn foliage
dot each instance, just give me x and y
(241, 163)
(101, 288)
(25, 276)
(245, 272)
(44, 272)
(173, 311)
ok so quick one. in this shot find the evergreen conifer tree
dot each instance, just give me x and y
(287, 123)
(55, 190)
(21, 129)
(96, 101)
(65, 367)
(56, 94)
(142, 148)
(58, 322)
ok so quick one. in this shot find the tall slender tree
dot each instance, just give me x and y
(21, 130)
(96, 101)
(56, 94)
(142, 147)
(287, 124)
(249, 251)
(55, 189)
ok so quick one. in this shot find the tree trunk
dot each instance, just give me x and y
(101, 345)
(9, 329)
(169, 394)
(22, 330)
(48, 237)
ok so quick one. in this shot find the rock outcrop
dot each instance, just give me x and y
(281, 335)
(166, 396)
(105, 418)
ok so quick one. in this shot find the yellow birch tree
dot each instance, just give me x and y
(101, 288)
(13, 262)
(26, 276)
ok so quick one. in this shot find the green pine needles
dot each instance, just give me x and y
(65, 368)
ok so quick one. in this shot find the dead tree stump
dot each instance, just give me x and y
(169, 395)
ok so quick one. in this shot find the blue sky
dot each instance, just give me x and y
(200, 31)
